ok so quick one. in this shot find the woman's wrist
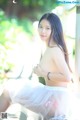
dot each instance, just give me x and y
(46, 75)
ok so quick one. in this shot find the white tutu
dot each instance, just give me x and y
(50, 102)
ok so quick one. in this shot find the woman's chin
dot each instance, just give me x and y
(44, 40)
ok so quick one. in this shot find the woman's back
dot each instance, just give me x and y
(53, 61)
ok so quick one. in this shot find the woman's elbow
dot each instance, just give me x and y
(68, 78)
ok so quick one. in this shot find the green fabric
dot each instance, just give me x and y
(42, 80)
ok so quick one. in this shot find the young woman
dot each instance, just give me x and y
(53, 99)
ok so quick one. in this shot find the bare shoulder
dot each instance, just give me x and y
(56, 51)
(56, 54)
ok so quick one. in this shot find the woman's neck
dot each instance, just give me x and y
(50, 43)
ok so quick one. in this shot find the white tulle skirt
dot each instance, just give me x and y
(50, 102)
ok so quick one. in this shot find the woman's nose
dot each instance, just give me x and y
(43, 30)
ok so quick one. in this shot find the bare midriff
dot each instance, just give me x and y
(57, 84)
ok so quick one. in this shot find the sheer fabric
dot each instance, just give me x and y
(50, 102)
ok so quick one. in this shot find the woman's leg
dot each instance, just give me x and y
(4, 101)
(32, 97)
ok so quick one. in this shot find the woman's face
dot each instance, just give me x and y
(44, 30)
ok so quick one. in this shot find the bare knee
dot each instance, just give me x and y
(5, 101)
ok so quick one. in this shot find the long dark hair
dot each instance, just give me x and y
(57, 33)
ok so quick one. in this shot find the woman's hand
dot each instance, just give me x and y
(38, 71)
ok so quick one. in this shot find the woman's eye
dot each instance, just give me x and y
(48, 28)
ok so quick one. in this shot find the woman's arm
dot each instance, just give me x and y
(62, 72)
(53, 76)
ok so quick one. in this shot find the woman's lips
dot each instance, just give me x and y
(43, 36)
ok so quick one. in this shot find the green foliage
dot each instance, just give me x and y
(38, 2)
(50, 4)
(26, 24)
(40, 5)
(10, 30)
(2, 2)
